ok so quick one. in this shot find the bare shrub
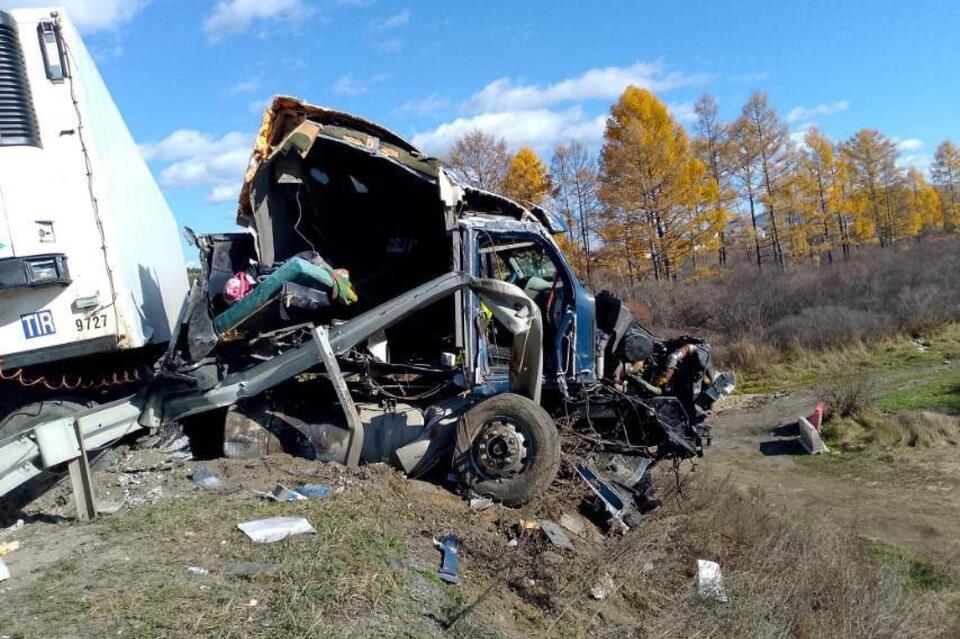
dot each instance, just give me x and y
(850, 397)
(822, 327)
(783, 579)
(911, 288)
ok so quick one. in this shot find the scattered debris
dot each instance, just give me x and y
(513, 543)
(480, 503)
(607, 497)
(300, 493)
(108, 507)
(573, 524)
(449, 545)
(247, 568)
(922, 347)
(816, 417)
(710, 581)
(4, 572)
(528, 524)
(603, 588)
(198, 571)
(205, 478)
(9, 547)
(313, 491)
(272, 529)
(555, 534)
(810, 438)
(13, 528)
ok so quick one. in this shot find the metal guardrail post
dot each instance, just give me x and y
(329, 360)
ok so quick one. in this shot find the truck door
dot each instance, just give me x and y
(532, 263)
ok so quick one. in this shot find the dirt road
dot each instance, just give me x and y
(907, 497)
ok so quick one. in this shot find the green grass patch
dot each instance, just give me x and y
(775, 370)
(933, 389)
(922, 574)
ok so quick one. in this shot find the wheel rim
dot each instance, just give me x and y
(502, 448)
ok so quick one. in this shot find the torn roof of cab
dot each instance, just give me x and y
(286, 114)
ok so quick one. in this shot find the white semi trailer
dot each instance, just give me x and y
(91, 267)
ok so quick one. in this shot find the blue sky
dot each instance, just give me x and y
(192, 76)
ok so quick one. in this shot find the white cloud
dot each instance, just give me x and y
(538, 128)
(245, 86)
(224, 193)
(605, 83)
(392, 45)
(804, 113)
(90, 15)
(911, 144)
(194, 159)
(426, 106)
(235, 16)
(395, 21)
(349, 85)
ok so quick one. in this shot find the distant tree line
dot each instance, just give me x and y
(658, 203)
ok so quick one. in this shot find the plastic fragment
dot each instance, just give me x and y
(710, 581)
(449, 545)
(313, 491)
(573, 524)
(603, 588)
(480, 503)
(555, 534)
(4, 571)
(9, 547)
(198, 571)
(205, 478)
(273, 529)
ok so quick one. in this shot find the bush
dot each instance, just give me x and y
(849, 397)
(911, 288)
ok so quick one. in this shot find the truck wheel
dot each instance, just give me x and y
(35, 413)
(507, 448)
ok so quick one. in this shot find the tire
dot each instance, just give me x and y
(507, 448)
(29, 415)
(21, 419)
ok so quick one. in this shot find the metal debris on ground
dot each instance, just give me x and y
(205, 478)
(247, 568)
(449, 545)
(603, 588)
(480, 503)
(198, 571)
(272, 529)
(555, 534)
(528, 524)
(608, 497)
(710, 581)
(4, 572)
(573, 524)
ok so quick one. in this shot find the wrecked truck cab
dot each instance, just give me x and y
(469, 328)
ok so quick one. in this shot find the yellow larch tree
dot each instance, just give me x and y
(527, 179)
(945, 172)
(652, 186)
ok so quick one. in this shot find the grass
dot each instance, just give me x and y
(139, 584)
(935, 390)
(900, 359)
(922, 574)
